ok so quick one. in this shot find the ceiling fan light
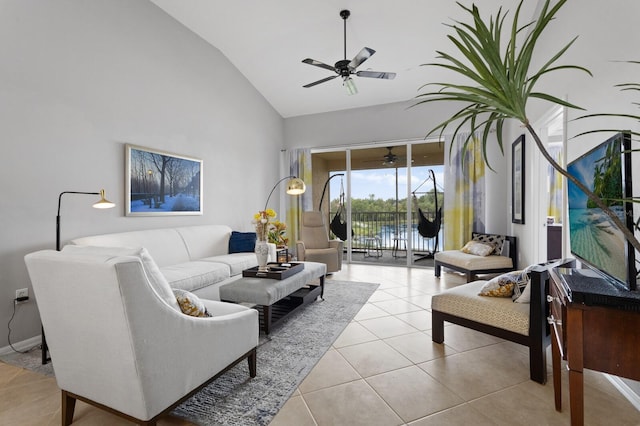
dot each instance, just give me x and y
(350, 85)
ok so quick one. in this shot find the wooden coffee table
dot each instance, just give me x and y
(277, 298)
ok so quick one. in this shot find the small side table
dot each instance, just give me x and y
(372, 247)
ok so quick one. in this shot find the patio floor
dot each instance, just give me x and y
(387, 258)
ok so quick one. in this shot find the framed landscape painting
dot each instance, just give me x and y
(160, 183)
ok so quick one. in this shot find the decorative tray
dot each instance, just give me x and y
(277, 271)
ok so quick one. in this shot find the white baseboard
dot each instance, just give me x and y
(625, 390)
(22, 346)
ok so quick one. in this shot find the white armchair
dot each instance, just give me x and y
(314, 244)
(117, 340)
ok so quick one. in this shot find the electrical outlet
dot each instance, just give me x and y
(22, 295)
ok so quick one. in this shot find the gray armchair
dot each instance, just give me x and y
(314, 244)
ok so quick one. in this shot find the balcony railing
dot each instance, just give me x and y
(390, 228)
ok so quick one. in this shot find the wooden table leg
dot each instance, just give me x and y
(266, 317)
(576, 397)
(555, 362)
(575, 361)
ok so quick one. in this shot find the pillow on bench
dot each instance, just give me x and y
(478, 249)
(497, 241)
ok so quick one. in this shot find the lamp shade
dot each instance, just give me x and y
(296, 186)
(103, 203)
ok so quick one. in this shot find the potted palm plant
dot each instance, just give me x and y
(496, 62)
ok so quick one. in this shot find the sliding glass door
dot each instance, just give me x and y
(382, 193)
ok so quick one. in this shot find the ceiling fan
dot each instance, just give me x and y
(390, 159)
(345, 68)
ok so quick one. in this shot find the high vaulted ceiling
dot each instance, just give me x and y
(267, 41)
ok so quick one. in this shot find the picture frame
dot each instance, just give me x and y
(160, 183)
(517, 180)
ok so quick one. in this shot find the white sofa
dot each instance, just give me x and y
(192, 258)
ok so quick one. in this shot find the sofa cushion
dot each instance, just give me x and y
(242, 242)
(205, 240)
(237, 262)
(156, 279)
(191, 276)
(165, 245)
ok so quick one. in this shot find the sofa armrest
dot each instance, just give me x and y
(300, 250)
(338, 245)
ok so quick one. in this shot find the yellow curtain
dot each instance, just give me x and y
(555, 185)
(299, 165)
(464, 209)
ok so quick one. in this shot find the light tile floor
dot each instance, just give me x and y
(383, 370)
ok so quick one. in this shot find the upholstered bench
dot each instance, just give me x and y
(523, 323)
(504, 259)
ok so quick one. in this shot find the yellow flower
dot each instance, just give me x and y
(261, 220)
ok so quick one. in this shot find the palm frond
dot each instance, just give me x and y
(502, 81)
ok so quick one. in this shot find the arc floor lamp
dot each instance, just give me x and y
(295, 186)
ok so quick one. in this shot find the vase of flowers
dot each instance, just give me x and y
(262, 223)
(277, 234)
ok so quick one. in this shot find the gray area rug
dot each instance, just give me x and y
(292, 349)
(285, 357)
(31, 360)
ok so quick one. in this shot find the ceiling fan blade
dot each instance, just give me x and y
(362, 56)
(318, 64)
(377, 74)
(320, 81)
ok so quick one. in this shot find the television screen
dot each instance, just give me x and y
(595, 240)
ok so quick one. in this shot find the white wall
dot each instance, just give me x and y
(78, 80)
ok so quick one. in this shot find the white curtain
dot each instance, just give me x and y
(300, 166)
(464, 201)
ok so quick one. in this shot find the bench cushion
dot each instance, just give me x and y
(264, 291)
(472, 262)
(463, 301)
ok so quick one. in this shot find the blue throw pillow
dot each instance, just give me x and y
(242, 242)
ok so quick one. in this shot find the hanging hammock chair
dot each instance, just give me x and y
(427, 228)
(338, 224)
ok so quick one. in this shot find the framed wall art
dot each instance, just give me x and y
(162, 184)
(517, 181)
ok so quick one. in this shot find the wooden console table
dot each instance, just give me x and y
(600, 333)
